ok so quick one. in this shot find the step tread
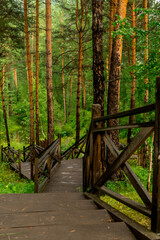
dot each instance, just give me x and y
(112, 231)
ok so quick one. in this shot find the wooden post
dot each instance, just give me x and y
(97, 163)
(19, 159)
(24, 157)
(36, 175)
(32, 162)
(49, 166)
(59, 136)
(2, 153)
(155, 217)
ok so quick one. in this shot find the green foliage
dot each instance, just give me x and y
(10, 182)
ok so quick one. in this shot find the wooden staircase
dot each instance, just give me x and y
(58, 214)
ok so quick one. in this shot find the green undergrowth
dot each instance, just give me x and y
(11, 182)
(127, 190)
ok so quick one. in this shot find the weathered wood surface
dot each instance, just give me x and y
(61, 214)
(25, 169)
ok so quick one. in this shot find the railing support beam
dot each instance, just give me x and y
(155, 218)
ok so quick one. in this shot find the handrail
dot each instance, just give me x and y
(128, 113)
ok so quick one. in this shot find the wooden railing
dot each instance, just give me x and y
(12, 156)
(42, 161)
(94, 177)
(45, 163)
(75, 150)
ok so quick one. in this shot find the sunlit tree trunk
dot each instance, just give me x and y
(114, 79)
(3, 72)
(63, 78)
(49, 73)
(4, 112)
(133, 76)
(29, 75)
(32, 49)
(37, 72)
(145, 25)
(15, 77)
(84, 95)
(9, 100)
(113, 7)
(80, 30)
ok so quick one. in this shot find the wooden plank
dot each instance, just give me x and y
(138, 186)
(155, 226)
(128, 113)
(126, 201)
(128, 126)
(19, 159)
(140, 232)
(36, 176)
(124, 156)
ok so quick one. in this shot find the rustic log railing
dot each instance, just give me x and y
(42, 161)
(94, 177)
(45, 164)
(12, 156)
(75, 150)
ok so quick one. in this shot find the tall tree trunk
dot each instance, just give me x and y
(37, 72)
(133, 76)
(114, 79)
(80, 30)
(29, 75)
(49, 73)
(63, 78)
(145, 24)
(113, 7)
(98, 63)
(4, 112)
(32, 49)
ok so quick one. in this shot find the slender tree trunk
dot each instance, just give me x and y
(4, 112)
(80, 30)
(145, 24)
(113, 7)
(84, 95)
(15, 77)
(63, 78)
(32, 49)
(3, 72)
(133, 76)
(98, 63)
(9, 100)
(49, 73)
(79, 88)
(29, 75)
(114, 80)
(37, 72)
(70, 95)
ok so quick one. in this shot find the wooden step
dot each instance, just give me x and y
(112, 231)
(60, 217)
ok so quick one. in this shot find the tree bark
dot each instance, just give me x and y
(133, 76)
(114, 80)
(29, 75)
(80, 30)
(63, 78)
(145, 25)
(98, 63)
(4, 112)
(15, 77)
(49, 73)
(70, 95)
(3, 72)
(37, 72)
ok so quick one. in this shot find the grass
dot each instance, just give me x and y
(127, 190)
(11, 182)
